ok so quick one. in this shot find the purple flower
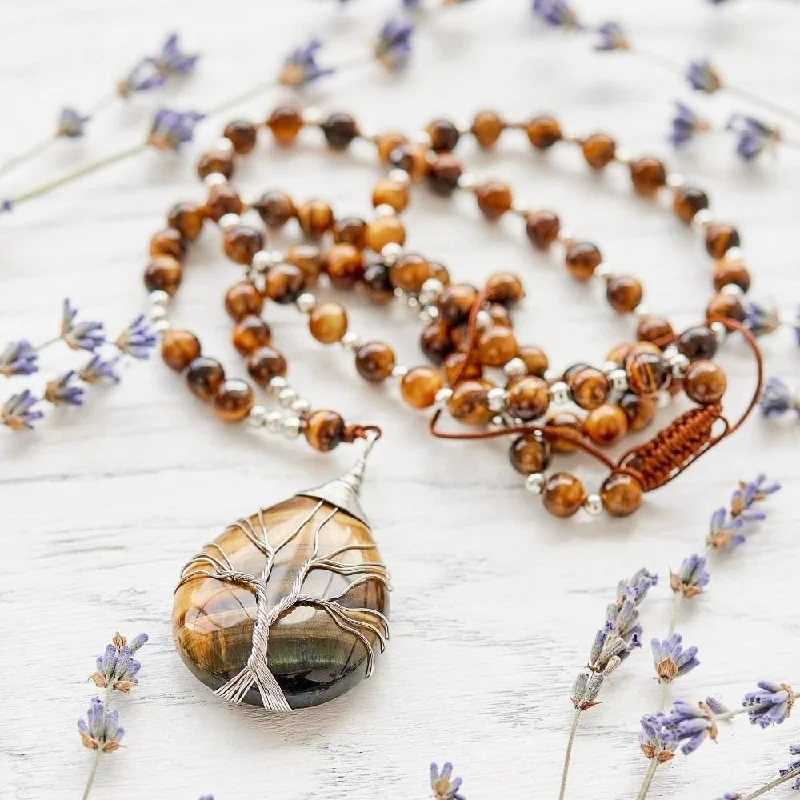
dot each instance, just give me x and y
(19, 412)
(172, 129)
(80, 334)
(556, 13)
(64, 390)
(748, 494)
(172, 61)
(393, 46)
(691, 724)
(686, 125)
(612, 37)
(116, 667)
(71, 123)
(300, 67)
(98, 370)
(444, 787)
(716, 706)
(656, 739)
(410, 5)
(703, 77)
(761, 320)
(753, 136)
(724, 533)
(637, 586)
(797, 327)
(671, 660)
(690, 579)
(777, 399)
(100, 730)
(6, 205)
(136, 340)
(771, 704)
(18, 358)
(143, 76)
(728, 795)
(793, 767)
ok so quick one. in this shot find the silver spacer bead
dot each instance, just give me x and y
(385, 210)
(161, 326)
(642, 310)
(391, 252)
(701, 219)
(559, 393)
(156, 313)
(399, 371)
(228, 221)
(734, 254)
(277, 384)
(351, 341)
(496, 398)
(623, 156)
(272, 422)
(224, 144)
(720, 331)
(306, 302)
(551, 376)
(421, 137)
(603, 272)
(515, 368)
(663, 399)
(484, 320)
(159, 298)
(593, 505)
(399, 176)
(257, 416)
(286, 397)
(412, 302)
(442, 396)
(467, 180)
(301, 407)
(429, 313)
(618, 379)
(534, 483)
(732, 289)
(214, 179)
(675, 180)
(313, 116)
(291, 427)
(679, 364)
(265, 259)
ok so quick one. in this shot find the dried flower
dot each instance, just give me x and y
(19, 412)
(172, 129)
(691, 578)
(724, 532)
(6, 205)
(137, 339)
(100, 730)
(771, 704)
(761, 320)
(64, 390)
(172, 61)
(777, 399)
(656, 739)
(716, 706)
(612, 37)
(393, 46)
(753, 136)
(300, 67)
(703, 77)
(80, 335)
(556, 13)
(671, 660)
(71, 123)
(636, 587)
(686, 124)
(143, 76)
(117, 668)
(18, 358)
(793, 766)
(729, 795)
(99, 369)
(692, 724)
(748, 494)
(444, 787)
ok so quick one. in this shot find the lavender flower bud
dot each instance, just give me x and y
(80, 334)
(137, 339)
(444, 786)
(703, 77)
(393, 46)
(18, 358)
(172, 60)
(724, 532)
(71, 123)
(300, 67)
(692, 724)
(64, 390)
(100, 730)
(761, 320)
(691, 578)
(686, 124)
(19, 412)
(793, 766)
(777, 400)
(556, 13)
(656, 739)
(117, 668)
(771, 704)
(748, 494)
(716, 706)
(753, 137)
(170, 130)
(612, 37)
(98, 370)
(671, 660)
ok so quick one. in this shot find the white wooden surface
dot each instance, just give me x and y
(495, 603)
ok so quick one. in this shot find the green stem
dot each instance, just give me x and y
(768, 787)
(676, 607)
(648, 779)
(662, 702)
(568, 756)
(26, 155)
(43, 345)
(96, 764)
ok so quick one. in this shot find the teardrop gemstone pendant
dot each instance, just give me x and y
(288, 607)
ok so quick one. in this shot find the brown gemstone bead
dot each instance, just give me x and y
(284, 283)
(327, 322)
(698, 342)
(187, 219)
(468, 403)
(655, 329)
(504, 288)
(639, 410)
(266, 363)
(598, 150)
(582, 259)
(165, 273)
(535, 359)
(285, 123)
(528, 398)
(648, 175)
(623, 293)
(455, 302)
(315, 217)
(443, 134)
(529, 453)
(705, 382)
(241, 243)
(420, 385)
(344, 265)
(388, 192)
(435, 341)
(412, 158)
(729, 271)
(215, 161)
(621, 494)
(243, 299)
(687, 201)
(223, 199)
(168, 242)
(494, 199)
(275, 208)
(542, 228)
(619, 352)
(324, 430)
(387, 142)
(204, 377)
(573, 370)
(642, 347)
(589, 387)
(440, 272)
(375, 361)
(458, 337)
(647, 372)
(606, 425)
(384, 230)
(563, 494)
(566, 421)
(455, 368)
(377, 285)
(487, 126)
(720, 237)
(309, 259)
(725, 306)
(543, 132)
(179, 348)
(497, 347)
(409, 272)
(251, 333)
(350, 230)
(340, 129)
(243, 135)
(234, 400)
(443, 174)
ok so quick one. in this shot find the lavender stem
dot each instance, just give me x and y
(676, 606)
(43, 345)
(768, 787)
(568, 755)
(26, 155)
(96, 764)
(648, 779)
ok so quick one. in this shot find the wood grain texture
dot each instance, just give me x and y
(495, 603)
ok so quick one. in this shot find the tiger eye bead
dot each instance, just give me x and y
(233, 400)
(598, 150)
(223, 199)
(655, 329)
(687, 201)
(440, 272)
(309, 260)
(386, 142)
(606, 425)
(179, 348)
(251, 333)
(443, 134)
(619, 352)
(284, 283)
(705, 382)
(497, 346)
(242, 134)
(529, 453)
(350, 230)
(344, 265)
(729, 272)
(458, 368)
(285, 123)
(315, 218)
(639, 410)
(563, 494)
(720, 237)
(621, 494)
(455, 302)
(589, 387)
(266, 363)
(528, 398)
(725, 306)
(459, 334)
(504, 288)
(623, 293)
(573, 370)
(241, 243)
(582, 259)
(324, 430)
(275, 208)
(164, 273)
(204, 377)
(375, 361)
(409, 272)
(543, 132)
(420, 385)
(444, 172)
(388, 192)
(494, 199)
(327, 322)
(568, 422)
(698, 342)
(648, 175)
(468, 403)
(487, 126)
(187, 219)
(215, 161)
(384, 230)
(647, 372)
(411, 158)
(435, 341)
(377, 286)
(536, 361)
(243, 299)
(542, 228)
(168, 242)
(339, 129)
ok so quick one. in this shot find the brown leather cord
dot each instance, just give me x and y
(353, 432)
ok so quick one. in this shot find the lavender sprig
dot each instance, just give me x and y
(170, 129)
(71, 123)
(556, 14)
(80, 334)
(18, 358)
(770, 704)
(444, 786)
(172, 61)
(761, 320)
(20, 412)
(777, 400)
(703, 77)
(671, 660)
(152, 72)
(300, 67)
(686, 125)
(99, 370)
(612, 37)
(136, 339)
(753, 136)
(65, 390)
(393, 45)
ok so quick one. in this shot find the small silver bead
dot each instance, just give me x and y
(301, 407)
(551, 376)
(467, 180)
(623, 156)
(286, 397)
(306, 302)
(732, 289)
(228, 221)
(701, 219)
(429, 313)
(675, 180)
(496, 398)
(618, 379)
(484, 320)
(385, 210)
(399, 176)
(421, 137)
(430, 290)
(497, 422)
(313, 116)
(734, 254)
(603, 272)
(214, 179)
(159, 298)
(559, 393)
(609, 367)
(161, 325)
(670, 351)
(273, 421)
(642, 310)
(156, 313)
(277, 384)
(351, 341)
(265, 259)
(412, 302)
(399, 371)
(442, 396)
(679, 364)
(291, 427)
(515, 367)
(224, 144)
(257, 416)
(391, 252)
(720, 331)
(593, 505)
(534, 483)
(663, 399)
